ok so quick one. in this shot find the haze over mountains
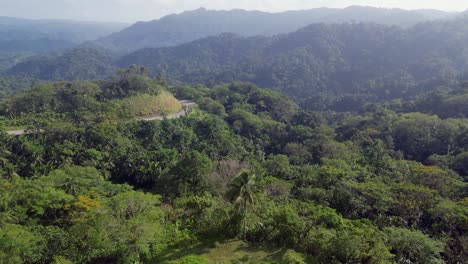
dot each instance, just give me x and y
(358, 53)
(177, 29)
(24, 35)
(362, 61)
(357, 61)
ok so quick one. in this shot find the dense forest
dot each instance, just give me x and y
(339, 67)
(319, 136)
(89, 183)
(74, 64)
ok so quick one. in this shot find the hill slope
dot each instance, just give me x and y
(75, 64)
(354, 62)
(23, 35)
(322, 66)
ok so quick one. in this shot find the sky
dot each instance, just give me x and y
(143, 10)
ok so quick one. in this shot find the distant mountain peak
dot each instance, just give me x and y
(197, 11)
(191, 25)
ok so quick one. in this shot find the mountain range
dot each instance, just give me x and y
(191, 25)
(26, 35)
(320, 65)
(321, 61)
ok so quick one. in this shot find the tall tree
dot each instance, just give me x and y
(242, 193)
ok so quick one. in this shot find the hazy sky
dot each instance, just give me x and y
(142, 10)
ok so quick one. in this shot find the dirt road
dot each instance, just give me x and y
(187, 105)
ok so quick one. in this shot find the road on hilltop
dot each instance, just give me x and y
(187, 105)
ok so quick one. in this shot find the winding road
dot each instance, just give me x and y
(16, 132)
(187, 105)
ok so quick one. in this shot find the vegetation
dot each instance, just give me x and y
(11, 84)
(132, 94)
(231, 251)
(75, 64)
(321, 66)
(368, 164)
(340, 67)
(9, 59)
(150, 105)
(249, 176)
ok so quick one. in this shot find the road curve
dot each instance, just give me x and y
(16, 132)
(187, 105)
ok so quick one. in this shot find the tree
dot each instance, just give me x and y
(20, 244)
(242, 193)
(190, 174)
(460, 164)
(413, 246)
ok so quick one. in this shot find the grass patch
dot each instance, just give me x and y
(149, 105)
(230, 251)
(9, 128)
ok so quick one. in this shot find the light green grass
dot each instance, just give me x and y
(149, 105)
(9, 128)
(230, 251)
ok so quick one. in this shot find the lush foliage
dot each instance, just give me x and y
(341, 67)
(322, 66)
(74, 64)
(132, 94)
(379, 187)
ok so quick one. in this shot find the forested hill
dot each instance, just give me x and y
(24, 35)
(73, 64)
(178, 29)
(90, 184)
(321, 65)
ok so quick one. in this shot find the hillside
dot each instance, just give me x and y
(188, 26)
(74, 64)
(24, 35)
(247, 177)
(325, 66)
(322, 66)
(9, 59)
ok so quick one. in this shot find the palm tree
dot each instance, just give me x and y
(8, 167)
(242, 193)
(70, 185)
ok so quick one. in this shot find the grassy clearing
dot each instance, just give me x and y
(230, 251)
(149, 105)
(9, 128)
